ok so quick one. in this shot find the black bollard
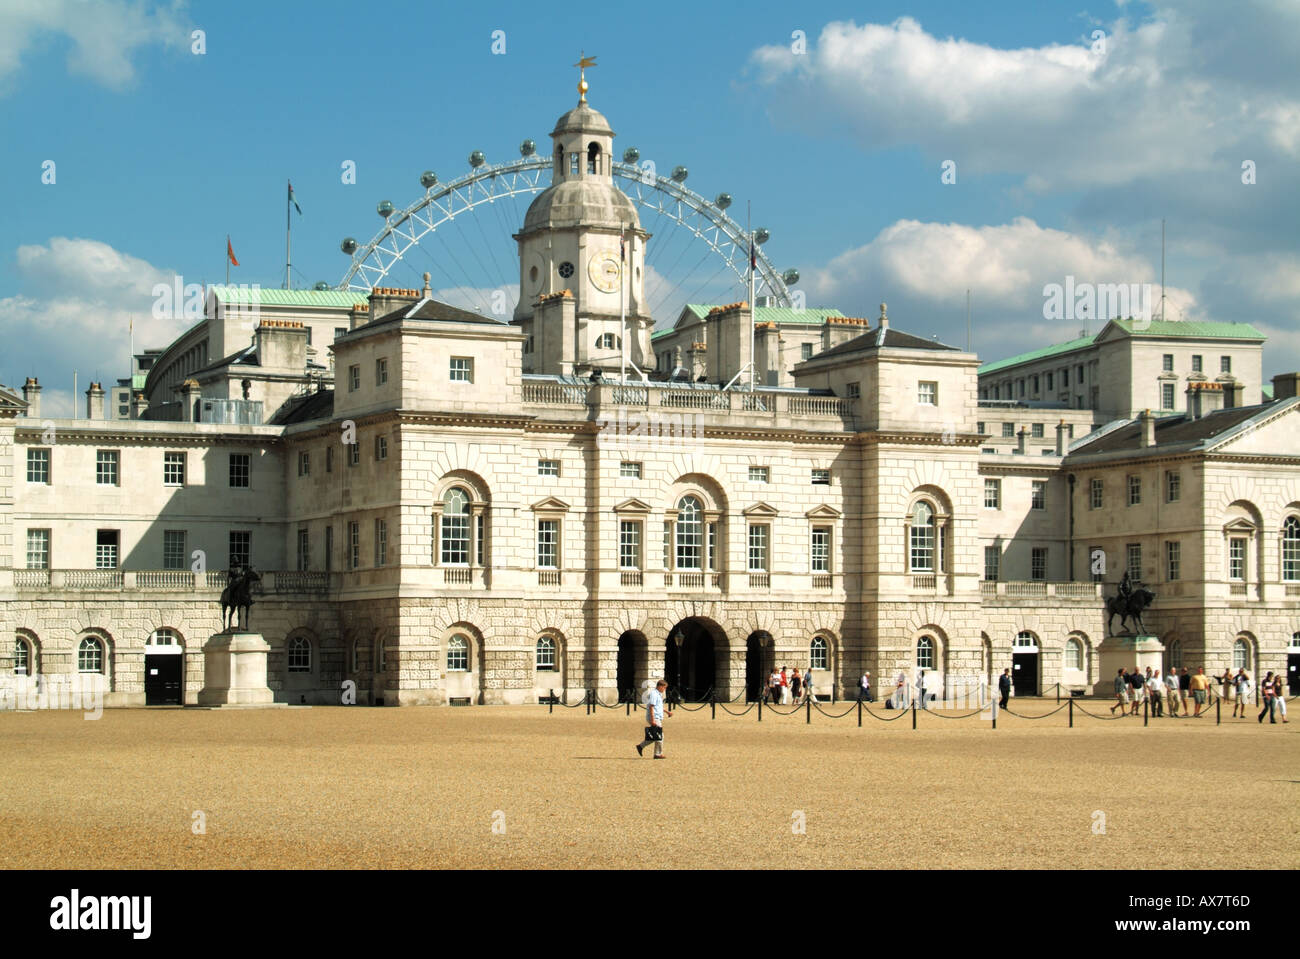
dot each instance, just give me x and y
(913, 712)
(808, 706)
(859, 714)
(629, 707)
(1218, 712)
(760, 709)
(1070, 710)
(550, 707)
(1146, 708)
(713, 705)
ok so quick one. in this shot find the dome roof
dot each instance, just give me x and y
(581, 203)
(584, 118)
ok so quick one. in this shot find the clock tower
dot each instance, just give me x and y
(582, 259)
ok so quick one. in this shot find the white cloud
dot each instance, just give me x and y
(104, 35)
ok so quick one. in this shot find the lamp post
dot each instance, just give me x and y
(678, 639)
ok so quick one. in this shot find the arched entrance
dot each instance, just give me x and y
(760, 651)
(691, 659)
(164, 669)
(1024, 664)
(633, 666)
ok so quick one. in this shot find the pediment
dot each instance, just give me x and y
(760, 509)
(823, 512)
(633, 505)
(550, 505)
(1239, 525)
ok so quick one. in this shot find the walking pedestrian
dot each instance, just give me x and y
(1184, 687)
(1241, 685)
(1121, 692)
(1279, 694)
(920, 687)
(1004, 688)
(900, 691)
(774, 686)
(785, 685)
(808, 694)
(654, 717)
(1171, 691)
(1267, 691)
(864, 688)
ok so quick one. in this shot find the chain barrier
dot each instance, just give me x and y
(939, 714)
(1043, 716)
(818, 707)
(891, 719)
(790, 712)
(1110, 718)
(741, 713)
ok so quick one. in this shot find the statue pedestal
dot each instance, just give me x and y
(1126, 651)
(234, 671)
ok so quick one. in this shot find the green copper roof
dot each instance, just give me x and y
(1046, 351)
(785, 315)
(278, 297)
(1267, 390)
(1230, 331)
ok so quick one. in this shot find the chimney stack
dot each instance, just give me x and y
(138, 405)
(1020, 440)
(95, 402)
(1203, 398)
(1147, 425)
(884, 318)
(1284, 385)
(1060, 438)
(32, 396)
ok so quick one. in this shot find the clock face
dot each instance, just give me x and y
(603, 269)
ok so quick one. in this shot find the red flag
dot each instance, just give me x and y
(230, 252)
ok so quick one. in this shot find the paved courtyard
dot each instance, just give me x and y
(516, 787)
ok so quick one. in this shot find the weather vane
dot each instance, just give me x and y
(584, 61)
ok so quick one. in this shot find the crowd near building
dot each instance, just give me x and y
(446, 507)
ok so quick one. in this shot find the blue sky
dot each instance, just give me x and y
(1066, 156)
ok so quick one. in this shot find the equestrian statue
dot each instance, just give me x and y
(238, 595)
(1128, 603)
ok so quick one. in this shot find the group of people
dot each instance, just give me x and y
(787, 687)
(900, 698)
(1171, 693)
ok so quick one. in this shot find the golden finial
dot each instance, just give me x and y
(584, 61)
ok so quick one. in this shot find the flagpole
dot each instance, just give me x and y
(227, 259)
(288, 234)
(753, 360)
(622, 301)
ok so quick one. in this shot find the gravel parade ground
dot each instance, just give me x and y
(514, 787)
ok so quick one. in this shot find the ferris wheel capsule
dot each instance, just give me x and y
(761, 236)
(385, 209)
(791, 277)
(527, 148)
(321, 286)
(631, 155)
(680, 174)
(477, 159)
(722, 201)
(348, 246)
(428, 178)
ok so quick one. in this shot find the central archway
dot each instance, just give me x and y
(694, 659)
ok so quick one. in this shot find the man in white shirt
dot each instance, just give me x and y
(1154, 689)
(1171, 691)
(654, 717)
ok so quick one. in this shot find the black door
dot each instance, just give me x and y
(1024, 673)
(626, 677)
(162, 680)
(754, 675)
(1293, 672)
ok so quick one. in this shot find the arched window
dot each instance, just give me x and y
(1291, 550)
(593, 157)
(163, 637)
(458, 654)
(22, 657)
(1026, 642)
(819, 653)
(455, 527)
(300, 655)
(1074, 654)
(559, 159)
(925, 652)
(690, 533)
(1176, 654)
(922, 552)
(545, 653)
(1241, 654)
(90, 655)
(608, 341)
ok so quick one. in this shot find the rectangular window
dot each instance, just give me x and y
(979, 427)
(1196, 364)
(1036, 431)
(106, 542)
(1237, 558)
(38, 466)
(1078, 374)
(805, 351)
(711, 560)
(381, 371)
(240, 468)
(993, 494)
(821, 477)
(38, 549)
(1020, 386)
(927, 393)
(304, 463)
(1033, 384)
(758, 538)
(1095, 490)
(381, 447)
(354, 545)
(629, 469)
(758, 474)
(1134, 490)
(548, 544)
(1049, 381)
(1167, 363)
(480, 538)
(668, 543)
(340, 331)
(1038, 495)
(1065, 378)
(629, 544)
(989, 449)
(1225, 364)
(462, 369)
(304, 550)
(1173, 560)
(548, 467)
(1173, 486)
(992, 563)
(1134, 561)
(1166, 396)
(241, 547)
(329, 548)
(173, 469)
(381, 543)
(106, 467)
(820, 552)
(1291, 550)
(354, 377)
(853, 391)
(1009, 430)
(1038, 564)
(329, 458)
(174, 552)
(354, 454)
